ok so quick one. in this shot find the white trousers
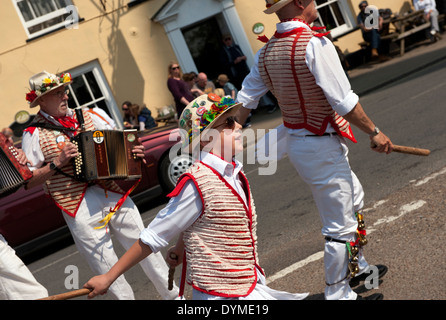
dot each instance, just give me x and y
(434, 20)
(16, 281)
(96, 246)
(323, 164)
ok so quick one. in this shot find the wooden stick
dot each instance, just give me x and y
(411, 150)
(68, 295)
(171, 272)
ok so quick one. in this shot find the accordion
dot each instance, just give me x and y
(106, 154)
(12, 174)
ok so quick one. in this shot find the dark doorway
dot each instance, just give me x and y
(204, 42)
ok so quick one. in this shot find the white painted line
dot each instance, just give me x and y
(294, 267)
(55, 262)
(414, 205)
(428, 178)
(427, 91)
(376, 205)
(405, 209)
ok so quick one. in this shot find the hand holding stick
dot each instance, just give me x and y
(171, 271)
(408, 150)
(68, 295)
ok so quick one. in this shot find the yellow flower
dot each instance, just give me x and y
(47, 80)
(66, 77)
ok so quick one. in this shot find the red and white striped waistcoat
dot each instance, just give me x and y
(303, 104)
(221, 245)
(66, 192)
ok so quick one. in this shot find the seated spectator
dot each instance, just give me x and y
(204, 84)
(431, 14)
(371, 35)
(190, 79)
(228, 87)
(129, 120)
(145, 118)
(219, 92)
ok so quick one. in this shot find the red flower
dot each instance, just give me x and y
(31, 96)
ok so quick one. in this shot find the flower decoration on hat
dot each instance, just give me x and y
(45, 84)
(215, 110)
(201, 113)
(31, 96)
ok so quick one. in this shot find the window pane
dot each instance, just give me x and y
(327, 18)
(35, 28)
(93, 85)
(80, 91)
(25, 10)
(32, 9)
(42, 7)
(62, 3)
(338, 14)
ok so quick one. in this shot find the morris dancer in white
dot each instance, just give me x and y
(213, 209)
(47, 145)
(303, 71)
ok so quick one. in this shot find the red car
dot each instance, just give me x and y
(29, 219)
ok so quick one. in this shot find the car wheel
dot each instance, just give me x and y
(171, 170)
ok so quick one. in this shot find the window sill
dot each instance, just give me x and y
(49, 32)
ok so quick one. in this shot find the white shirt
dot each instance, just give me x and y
(182, 211)
(323, 62)
(103, 121)
(426, 5)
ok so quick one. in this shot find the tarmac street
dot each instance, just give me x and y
(404, 194)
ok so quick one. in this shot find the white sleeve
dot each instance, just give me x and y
(433, 5)
(31, 148)
(416, 6)
(111, 122)
(100, 124)
(323, 62)
(178, 215)
(253, 87)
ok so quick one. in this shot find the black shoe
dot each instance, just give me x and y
(382, 270)
(375, 296)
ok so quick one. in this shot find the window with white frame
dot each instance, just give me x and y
(335, 15)
(42, 16)
(90, 89)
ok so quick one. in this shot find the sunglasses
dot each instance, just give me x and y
(174, 68)
(229, 123)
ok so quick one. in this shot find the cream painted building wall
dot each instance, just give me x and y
(131, 51)
(129, 48)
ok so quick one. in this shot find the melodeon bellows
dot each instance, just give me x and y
(106, 154)
(12, 174)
